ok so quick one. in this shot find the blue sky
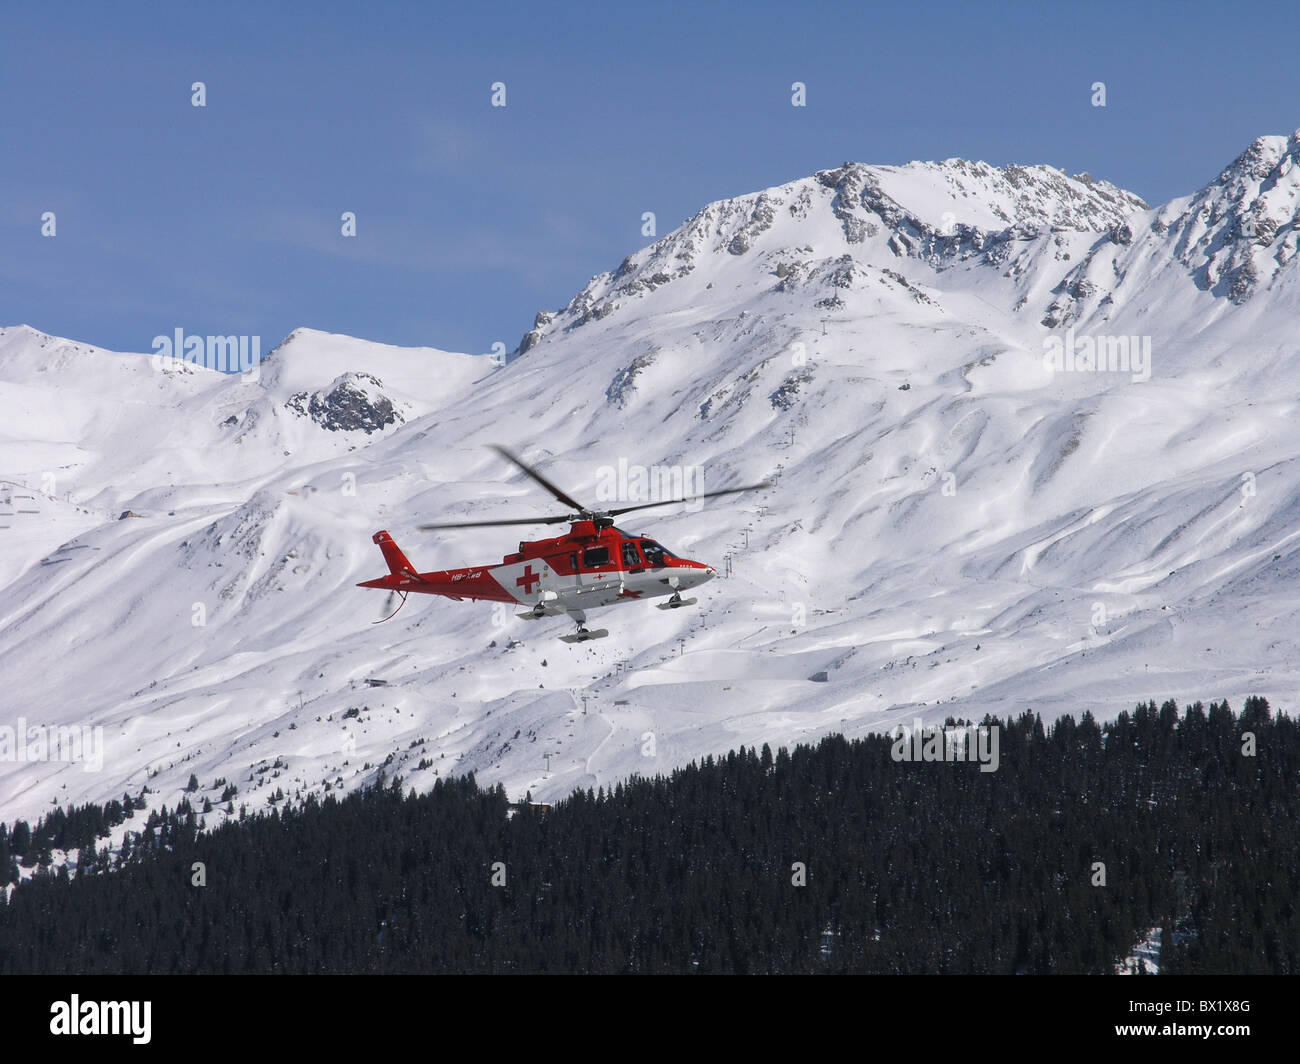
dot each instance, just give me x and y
(226, 219)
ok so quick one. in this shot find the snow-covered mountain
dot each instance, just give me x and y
(957, 524)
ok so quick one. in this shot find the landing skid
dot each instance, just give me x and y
(582, 635)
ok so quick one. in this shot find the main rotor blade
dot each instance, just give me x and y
(567, 499)
(692, 498)
(493, 524)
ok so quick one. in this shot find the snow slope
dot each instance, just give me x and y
(954, 527)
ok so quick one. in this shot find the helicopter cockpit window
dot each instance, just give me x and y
(595, 556)
(654, 554)
(631, 556)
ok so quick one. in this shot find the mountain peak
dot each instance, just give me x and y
(975, 193)
(1261, 158)
(1238, 232)
(939, 212)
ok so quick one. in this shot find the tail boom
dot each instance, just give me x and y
(470, 583)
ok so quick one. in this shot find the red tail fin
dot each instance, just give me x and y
(398, 563)
(401, 573)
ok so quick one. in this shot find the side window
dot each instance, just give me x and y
(631, 556)
(595, 556)
(653, 552)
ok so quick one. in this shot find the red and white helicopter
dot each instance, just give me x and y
(593, 565)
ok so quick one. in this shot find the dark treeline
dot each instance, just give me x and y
(910, 867)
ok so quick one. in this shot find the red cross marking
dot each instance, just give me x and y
(528, 580)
